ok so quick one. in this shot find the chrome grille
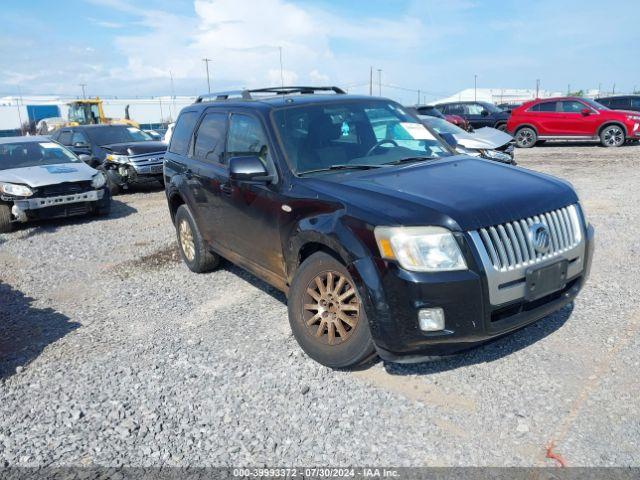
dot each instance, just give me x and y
(147, 159)
(509, 245)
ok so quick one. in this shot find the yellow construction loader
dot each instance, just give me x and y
(83, 112)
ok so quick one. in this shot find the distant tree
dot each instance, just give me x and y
(577, 93)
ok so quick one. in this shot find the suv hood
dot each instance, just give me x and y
(42, 175)
(462, 190)
(483, 138)
(136, 148)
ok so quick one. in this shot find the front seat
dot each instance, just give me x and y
(319, 149)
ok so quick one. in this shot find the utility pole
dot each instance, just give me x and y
(537, 88)
(172, 111)
(281, 69)
(568, 90)
(206, 61)
(475, 88)
(371, 81)
(83, 91)
(614, 88)
(379, 82)
(418, 96)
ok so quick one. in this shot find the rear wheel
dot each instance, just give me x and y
(502, 127)
(526, 137)
(191, 244)
(327, 316)
(5, 219)
(612, 136)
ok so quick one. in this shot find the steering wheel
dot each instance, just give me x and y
(380, 143)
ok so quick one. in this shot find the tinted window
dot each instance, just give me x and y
(456, 109)
(65, 137)
(246, 137)
(571, 106)
(544, 107)
(209, 139)
(604, 101)
(182, 133)
(635, 102)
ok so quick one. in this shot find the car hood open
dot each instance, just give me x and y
(42, 175)
(466, 191)
(483, 138)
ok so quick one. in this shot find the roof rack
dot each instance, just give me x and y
(246, 94)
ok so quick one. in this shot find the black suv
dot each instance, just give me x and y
(621, 102)
(385, 241)
(478, 114)
(126, 154)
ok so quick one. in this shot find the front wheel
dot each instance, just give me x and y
(193, 249)
(502, 127)
(6, 225)
(327, 316)
(526, 137)
(612, 136)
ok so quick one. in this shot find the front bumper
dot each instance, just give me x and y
(60, 206)
(392, 297)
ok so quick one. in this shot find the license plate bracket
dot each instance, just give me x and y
(156, 169)
(542, 281)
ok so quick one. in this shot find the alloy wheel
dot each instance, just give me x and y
(525, 137)
(613, 136)
(331, 308)
(186, 240)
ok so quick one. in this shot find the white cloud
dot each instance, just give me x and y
(243, 41)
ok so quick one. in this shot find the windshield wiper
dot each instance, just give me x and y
(364, 166)
(411, 159)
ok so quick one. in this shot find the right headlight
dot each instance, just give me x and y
(420, 249)
(15, 190)
(112, 157)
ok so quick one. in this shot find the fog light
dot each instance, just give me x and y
(431, 319)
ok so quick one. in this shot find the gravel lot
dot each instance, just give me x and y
(113, 353)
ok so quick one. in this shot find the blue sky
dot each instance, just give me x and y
(124, 48)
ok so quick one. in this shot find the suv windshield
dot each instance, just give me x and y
(116, 134)
(33, 154)
(351, 134)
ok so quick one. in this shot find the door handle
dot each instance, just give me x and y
(226, 189)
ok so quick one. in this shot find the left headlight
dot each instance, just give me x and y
(117, 158)
(421, 249)
(15, 190)
(496, 155)
(98, 180)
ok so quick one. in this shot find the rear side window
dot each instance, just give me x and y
(209, 140)
(635, 102)
(78, 137)
(544, 107)
(182, 133)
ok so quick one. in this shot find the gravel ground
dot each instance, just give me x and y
(113, 353)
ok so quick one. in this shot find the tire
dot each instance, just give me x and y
(192, 248)
(6, 225)
(612, 136)
(336, 311)
(104, 211)
(112, 183)
(526, 137)
(502, 127)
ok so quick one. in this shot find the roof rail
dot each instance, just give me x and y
(247, 94)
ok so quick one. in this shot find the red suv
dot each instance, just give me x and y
(572, 118)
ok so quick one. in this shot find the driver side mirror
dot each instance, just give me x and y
(585, 112)
(85, 158)
(484, 113)
(248, 169)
